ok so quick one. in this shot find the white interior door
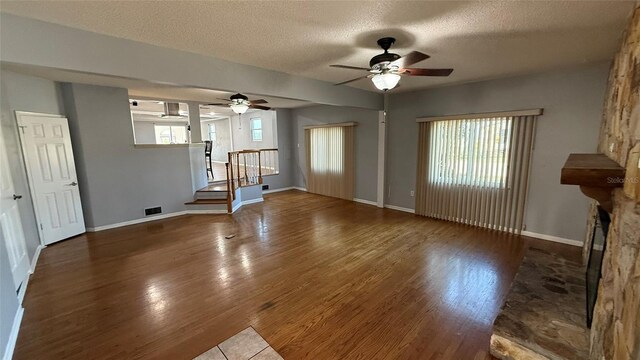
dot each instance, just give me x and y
(10, 221)
(52, 175)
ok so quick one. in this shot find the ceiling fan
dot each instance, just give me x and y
(385, 69)
(240, 103)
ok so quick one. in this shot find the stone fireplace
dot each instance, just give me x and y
(615, 332)
(544, 316)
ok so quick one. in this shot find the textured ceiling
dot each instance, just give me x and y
(479, 40)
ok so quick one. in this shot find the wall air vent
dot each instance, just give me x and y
(153, 211)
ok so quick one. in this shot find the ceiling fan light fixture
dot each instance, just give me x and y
(239, 108)
(385, 81)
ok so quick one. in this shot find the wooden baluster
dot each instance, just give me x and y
(230, 175)
(229, 189)
(259, 168)
(238, 167)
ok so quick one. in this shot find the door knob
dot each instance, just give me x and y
(73, 184)
(17, 197)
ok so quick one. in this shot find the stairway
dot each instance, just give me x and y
(211, 199)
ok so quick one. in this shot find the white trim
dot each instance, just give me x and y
(278, 190)
(300, 188)
(552, 238)
(236, 207)
(161, 146)
(399, 208)
(13, 335)
(528, 112)
(220, 211)
(34, 261)
(136, 221)
(32, 269)
(363, 201)
(23, 288)
(252, 201)
(330, 125)
(29, 113)
(382, 135)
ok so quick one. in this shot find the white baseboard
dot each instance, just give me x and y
(399, 208)
(252, 201)
(221, 211)
(552, 238)
(32, 269)
(363, 201)
(243, 203)
(300, 188)
(136, 221)
(13, 335)
(278, 190)
(34, 261)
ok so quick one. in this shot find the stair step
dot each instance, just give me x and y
(211, 196)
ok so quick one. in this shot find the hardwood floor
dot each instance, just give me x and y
(317, 277)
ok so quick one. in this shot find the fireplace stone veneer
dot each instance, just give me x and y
(544, 316)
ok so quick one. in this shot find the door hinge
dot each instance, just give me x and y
(41, 227)
(22, 127)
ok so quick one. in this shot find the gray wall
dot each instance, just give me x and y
(117, 181)
(366, 143)
(25, 93)
(572, 102)
(285, 150)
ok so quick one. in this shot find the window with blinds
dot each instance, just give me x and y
(474, 169)
(330, 160)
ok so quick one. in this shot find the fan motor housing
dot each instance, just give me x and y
(384, 57)
(239, 97)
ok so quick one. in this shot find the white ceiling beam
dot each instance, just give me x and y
(38, 43)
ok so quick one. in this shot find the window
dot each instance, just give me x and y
(167, 134)
(330, 160)
(256, 129)
(470, 152)
(212, 132)
(474, 169)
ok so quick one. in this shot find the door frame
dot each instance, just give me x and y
(18, 115)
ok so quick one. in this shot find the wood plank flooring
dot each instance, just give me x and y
(317, 277)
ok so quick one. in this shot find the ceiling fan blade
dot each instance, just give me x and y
(219, 104)
(259, 107)
(259, 101)
(228, 100)
(352, 80)
(426, 72)
(410, 59)
(349, 67)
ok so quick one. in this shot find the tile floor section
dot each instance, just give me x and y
(245, 345)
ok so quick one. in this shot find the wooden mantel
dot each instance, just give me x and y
(596, 174)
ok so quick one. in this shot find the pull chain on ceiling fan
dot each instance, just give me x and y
(387, 68)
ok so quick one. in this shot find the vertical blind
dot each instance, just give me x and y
(475, 170)
(330, 160)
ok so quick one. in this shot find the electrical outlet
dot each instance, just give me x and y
(411, 193)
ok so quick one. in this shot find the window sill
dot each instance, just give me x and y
(156, 146)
